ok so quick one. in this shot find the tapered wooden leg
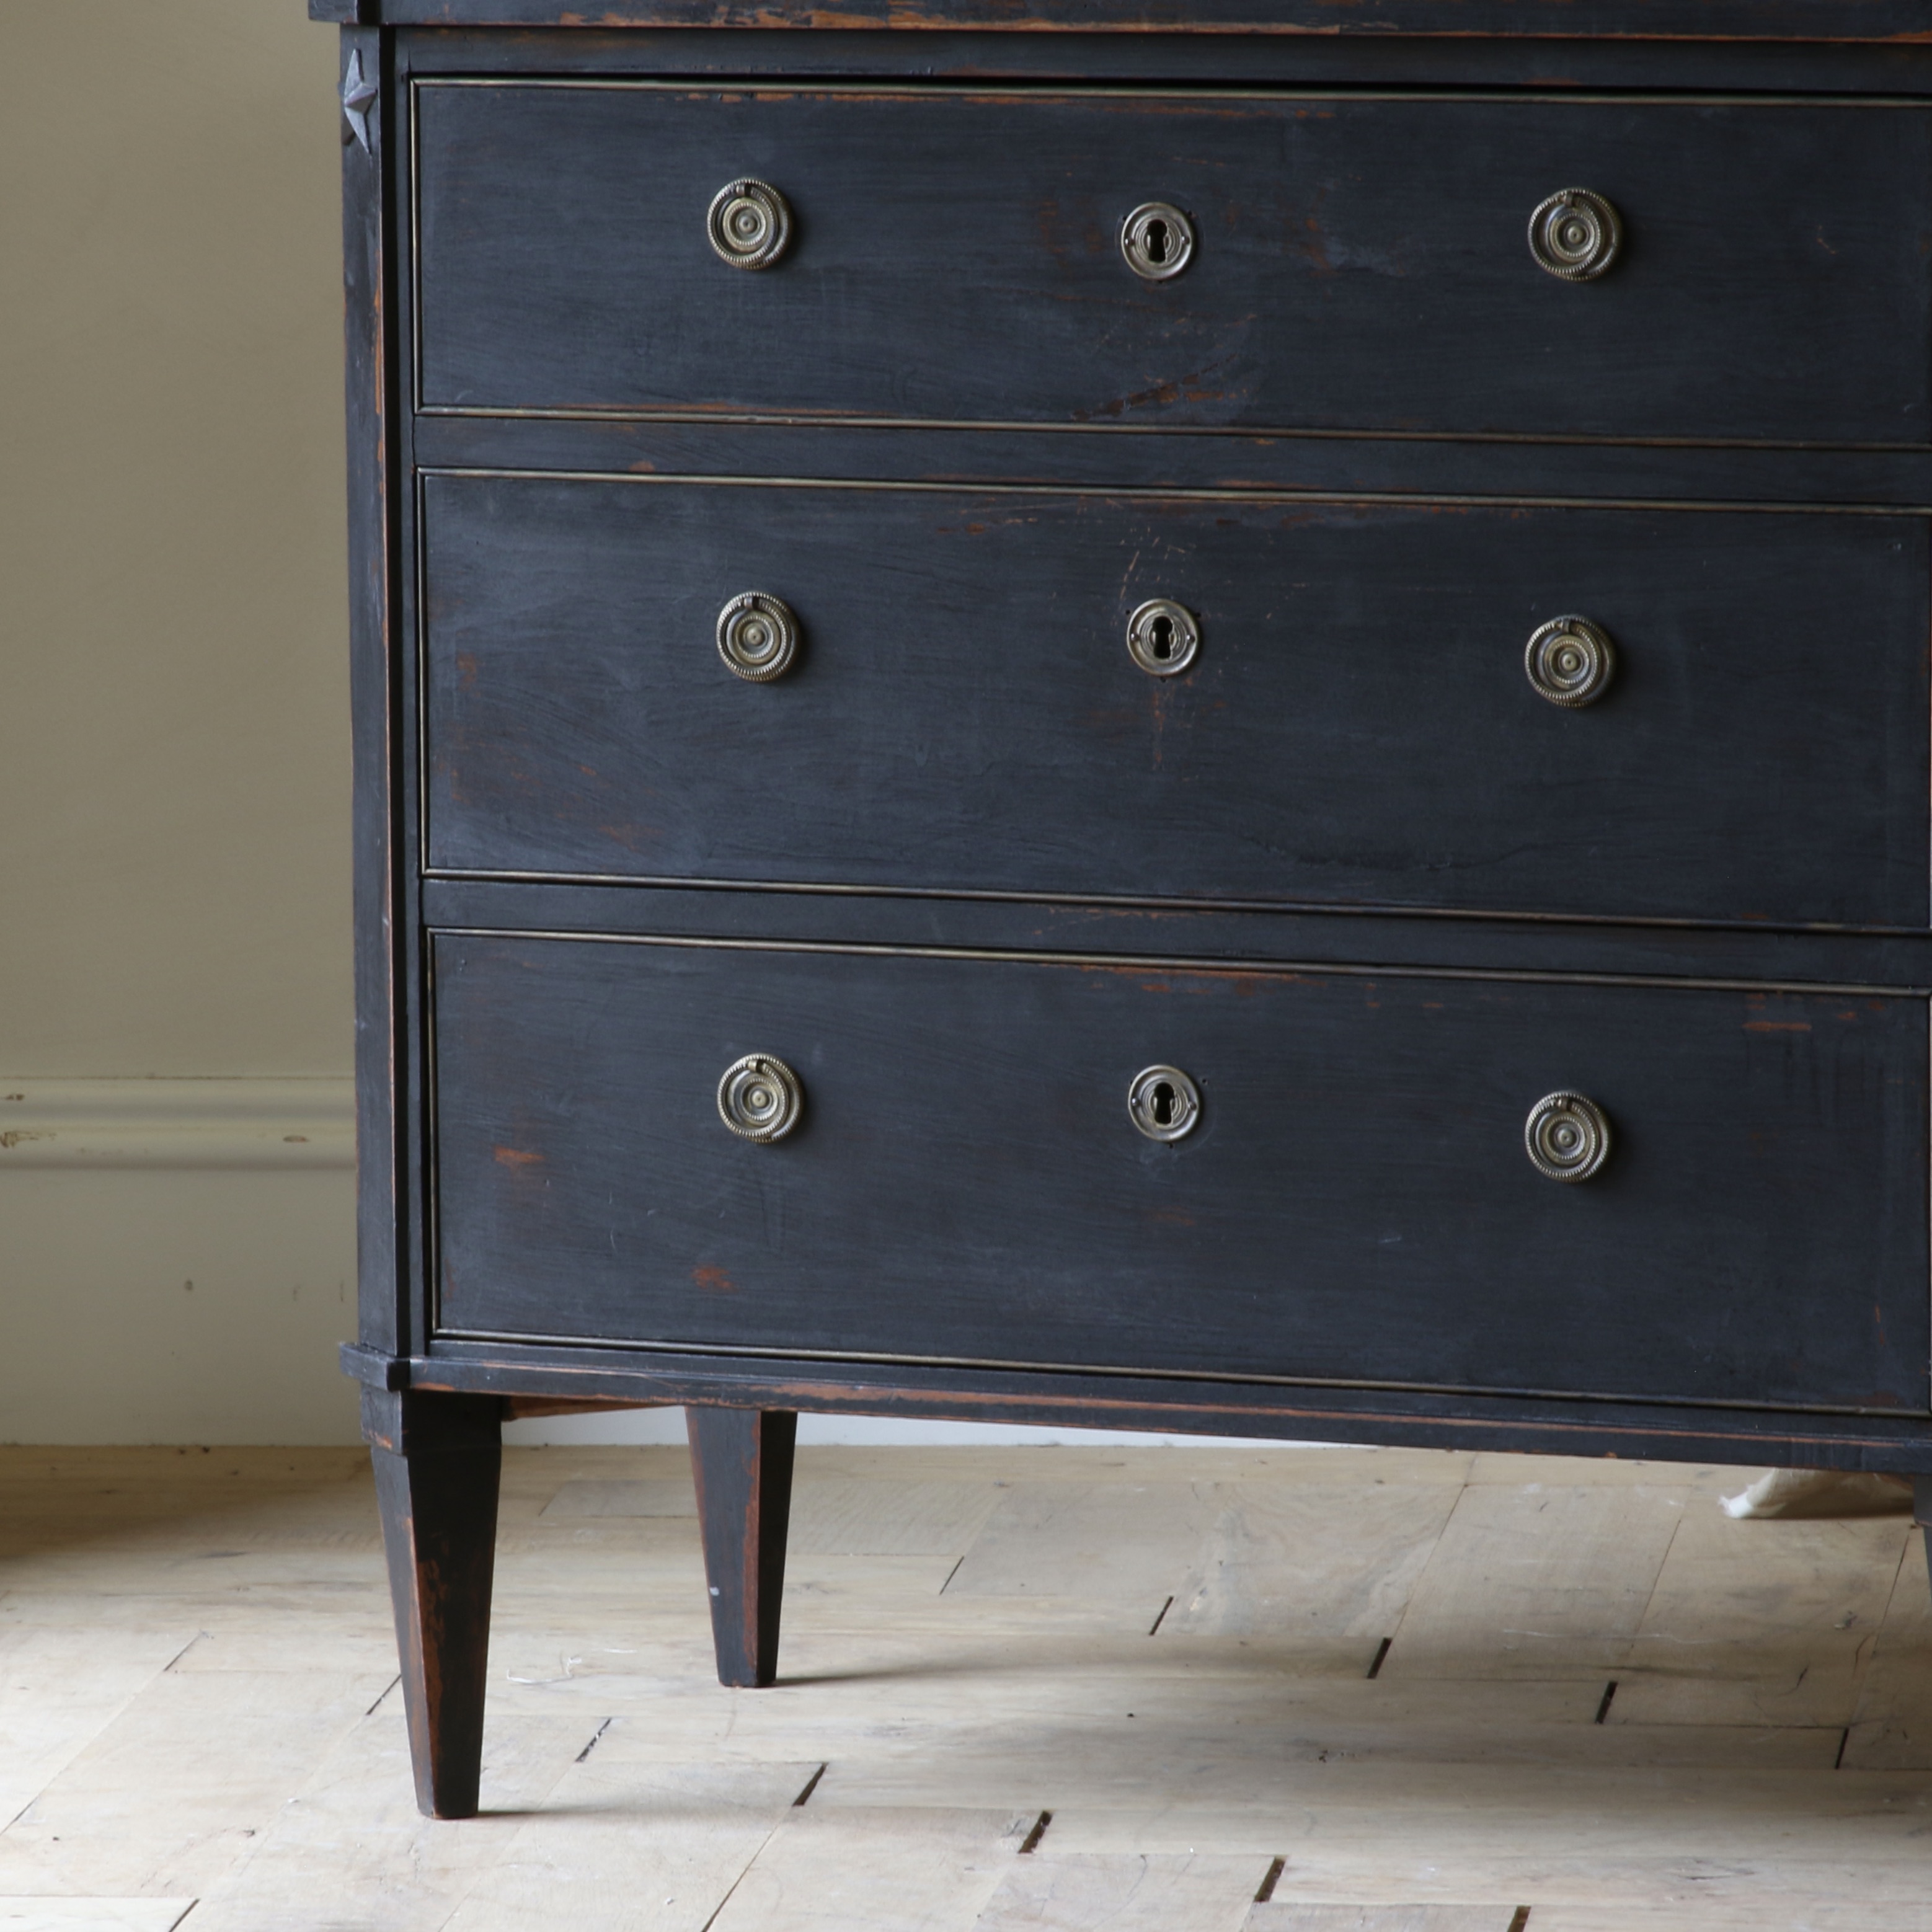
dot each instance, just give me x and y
(438, 1459)
(741, 1460)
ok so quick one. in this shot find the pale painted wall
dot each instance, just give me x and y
(174, 876)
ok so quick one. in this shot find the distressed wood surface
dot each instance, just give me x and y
(1899, 21)
(564, 262)
(268, 1782)
(436, 1459)
(976, 1190)
(741, 1462)
(1356, 728)
(1112, 53)
(1171, 935)
(1099, 457)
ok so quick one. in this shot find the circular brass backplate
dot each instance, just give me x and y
(1163, 1103)
(757, 637)
(760, 1098)
(1569, 660)
(1157, 241)
(1567, 1137)
(1163, 637)
(1575, 234)
(749, 224)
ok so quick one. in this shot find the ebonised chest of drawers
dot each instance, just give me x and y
(1141, 716)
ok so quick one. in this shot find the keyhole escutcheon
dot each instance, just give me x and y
(1157, 241)
(1163, 1103)
(1163, 638)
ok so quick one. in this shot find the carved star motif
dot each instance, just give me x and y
(358, 95)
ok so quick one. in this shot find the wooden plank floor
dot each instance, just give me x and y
(1060, 1690)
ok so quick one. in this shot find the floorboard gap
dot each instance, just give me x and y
(1603, 1708)
(1381, 1653)
(1164, 1609)
(811, 1786)
(1265, 1891)
(1520, 1919)
(373, 1708)
(1844, 1738)
(594, 1736)
(1031, 1842)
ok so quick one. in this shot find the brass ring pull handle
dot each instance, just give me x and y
(1567, 1137)
(1158, 241)
(760, 1098)
(749, 224)
(1163, 638)
(757, 637)
(1569, 660)
(1163, 1103)
(1575, 234)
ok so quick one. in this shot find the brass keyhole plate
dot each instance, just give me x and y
(1157, 241)
(1164, 1103)
(1163, 638)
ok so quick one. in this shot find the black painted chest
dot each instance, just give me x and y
(1162, 721)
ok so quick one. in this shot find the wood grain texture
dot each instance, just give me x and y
(1895, 21)
(741, 1462)
(1419, 1420)
(1564, 1575)
(386, 1187)
(249, 1772)
(967, 1185)
(1357, 728)
(1546, 62)
(1099, 457)
(1173, 935)
(564, 262)
(1047, 1894)
(436, 1460)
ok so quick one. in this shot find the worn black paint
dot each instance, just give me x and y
(1744, 956)
(617, 1375)
(1356, 1203)
(1548, 62)
(1731, 324)
(1358, 727)
(1684, 21)
(741, 1463)
(1100, 459)
(1363, 264)
(437, 1458)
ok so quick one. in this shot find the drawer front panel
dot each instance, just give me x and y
(1359, 264)
(964, 715)
(1355, 1202)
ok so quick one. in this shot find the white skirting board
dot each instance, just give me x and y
(217, 1126)
(179, 1258)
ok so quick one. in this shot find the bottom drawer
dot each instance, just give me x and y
(1354, 1202)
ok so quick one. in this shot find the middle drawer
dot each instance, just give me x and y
(1357, 722)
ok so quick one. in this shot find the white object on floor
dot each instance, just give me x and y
(1822, 1492)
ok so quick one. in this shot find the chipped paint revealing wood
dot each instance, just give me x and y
(1352, 1245)
(1888, 23)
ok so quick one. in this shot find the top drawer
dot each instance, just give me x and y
(1358, 264)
